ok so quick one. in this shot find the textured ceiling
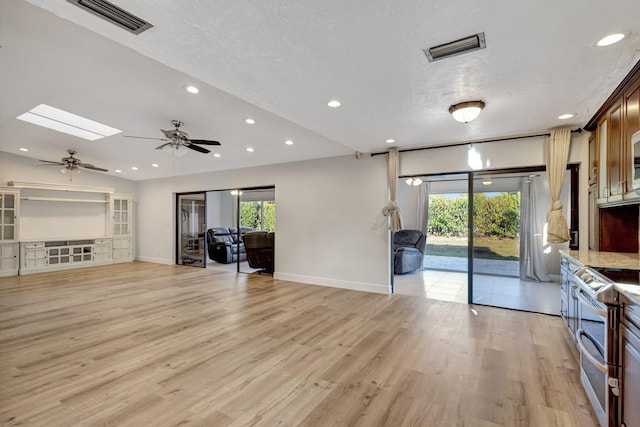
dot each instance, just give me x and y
(281, 61)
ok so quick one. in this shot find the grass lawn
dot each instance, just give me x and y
(484, 247)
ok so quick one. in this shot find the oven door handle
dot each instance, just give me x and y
(598, 311)
(583, 350)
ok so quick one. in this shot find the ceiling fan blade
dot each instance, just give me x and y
(197, 148)
(145, 137)
(49, 162)
(160, 147)
(95, 168)
(204, 142)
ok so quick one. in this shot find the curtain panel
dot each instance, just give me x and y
(532, 265)
(391, 209)
(557, 154)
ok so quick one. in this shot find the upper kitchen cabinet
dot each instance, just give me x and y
(614, 124)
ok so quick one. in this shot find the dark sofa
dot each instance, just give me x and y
(225, 245)
(259, 246)
(408, 250)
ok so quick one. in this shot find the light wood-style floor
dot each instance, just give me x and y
(143, 344)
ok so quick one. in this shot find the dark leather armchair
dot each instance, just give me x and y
(259, 246)
(408, 250)
(223, 245)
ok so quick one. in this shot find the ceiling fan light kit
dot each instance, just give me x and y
(466, 111)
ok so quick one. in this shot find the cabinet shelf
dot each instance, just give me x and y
(60, 199)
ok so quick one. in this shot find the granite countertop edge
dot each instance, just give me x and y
(616, 260)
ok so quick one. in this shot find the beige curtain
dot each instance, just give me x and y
(391, 209)
(557, 154)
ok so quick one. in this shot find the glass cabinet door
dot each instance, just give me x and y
(7, 216)
(121, 217)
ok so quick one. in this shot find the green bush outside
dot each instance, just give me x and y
(497, 216)
(250, 215)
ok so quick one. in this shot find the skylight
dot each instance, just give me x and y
(63, 121)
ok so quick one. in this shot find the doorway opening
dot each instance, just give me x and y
(475, 251)
(212, 225)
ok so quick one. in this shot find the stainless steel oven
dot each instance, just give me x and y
(597, 338)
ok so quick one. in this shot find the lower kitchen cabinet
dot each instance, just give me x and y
(629, 409)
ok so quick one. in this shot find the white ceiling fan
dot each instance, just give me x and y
(71, 165)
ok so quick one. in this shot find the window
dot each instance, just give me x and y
(259, 215)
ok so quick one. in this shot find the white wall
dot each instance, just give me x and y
(326, 212)
(54, 220)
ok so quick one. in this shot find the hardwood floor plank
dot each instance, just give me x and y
(146, 344)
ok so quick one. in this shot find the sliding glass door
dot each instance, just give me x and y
(257, 212)
(191, 214)
(485, 237)
(438, 207)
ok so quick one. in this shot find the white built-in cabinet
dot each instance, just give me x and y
(9, 252)
(122, 211)
(114, 244)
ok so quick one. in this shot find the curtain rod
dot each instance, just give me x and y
(482, 141)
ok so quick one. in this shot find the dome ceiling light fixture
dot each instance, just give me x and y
(466, 111)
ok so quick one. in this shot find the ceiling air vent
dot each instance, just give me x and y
(454, 48)
(114, 14)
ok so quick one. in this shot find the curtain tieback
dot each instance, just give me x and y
(556, 206)
(390, 208)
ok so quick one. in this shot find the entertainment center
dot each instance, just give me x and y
(52, 227)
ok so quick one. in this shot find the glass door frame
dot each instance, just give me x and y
(178, 235)
(237, 218)
(574, 169)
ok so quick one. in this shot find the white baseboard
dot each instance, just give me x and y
(343, 284)
(155, 260)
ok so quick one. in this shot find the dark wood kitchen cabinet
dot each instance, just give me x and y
(614, 124)
(629, 403)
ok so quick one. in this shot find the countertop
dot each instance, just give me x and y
(621, 260)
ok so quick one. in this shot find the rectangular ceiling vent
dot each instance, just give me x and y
(114, 14)
(458, 47)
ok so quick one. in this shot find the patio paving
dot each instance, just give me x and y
(480, 265)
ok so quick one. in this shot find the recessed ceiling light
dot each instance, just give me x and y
(69, 123)
(249, 121)
(192, 89)
(118, 171)
(566, 116)
(249, 149)
(133, 168)
(155, 165)
(610, 39)
(288, 142)
(216, 154)
(24, 149)
(487, 182)
(390, 141)
(334, 103)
